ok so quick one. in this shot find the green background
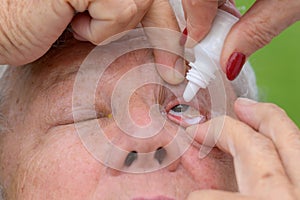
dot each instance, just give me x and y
(277, 68)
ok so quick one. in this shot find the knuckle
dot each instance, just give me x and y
(258, 33)
(197, 30)
(261, 145)
(265, 143)
(225, 120)
(144, 5)
(291, 142)
(127, 15)
(274, 109)
(229, 122)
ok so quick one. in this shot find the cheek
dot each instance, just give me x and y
(59, 168)
(215, 171)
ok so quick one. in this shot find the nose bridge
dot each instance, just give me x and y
(139, 111)
(141, 116)
(144, 139)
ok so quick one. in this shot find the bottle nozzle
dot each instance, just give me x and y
(190, 91)
(207, 55)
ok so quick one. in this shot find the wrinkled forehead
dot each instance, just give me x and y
(129, 59)
(111, 60)
(128, 62)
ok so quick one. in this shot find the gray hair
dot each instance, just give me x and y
(245, 84)
(2, 123)
(2, 96)
(1, 193)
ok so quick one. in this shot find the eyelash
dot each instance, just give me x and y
(183, 119)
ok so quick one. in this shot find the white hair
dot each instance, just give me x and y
(3, 68)
(1, 193)
(2, 71)
(245, 84)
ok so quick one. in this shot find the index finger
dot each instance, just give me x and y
(257, 163)
(274, 123)
(164, 35)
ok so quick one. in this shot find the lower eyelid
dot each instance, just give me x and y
(195, 120)
(187, 121)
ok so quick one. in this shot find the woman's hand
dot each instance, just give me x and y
(28, 28)
(265, 146)
(262, 22)
(200, 14)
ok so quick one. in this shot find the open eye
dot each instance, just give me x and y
(185, 115)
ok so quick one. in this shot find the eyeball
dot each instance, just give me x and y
(185, 115)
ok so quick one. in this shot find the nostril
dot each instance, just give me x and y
(131, 157)
(160, 154)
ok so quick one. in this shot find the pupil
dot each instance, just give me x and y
(180, 108)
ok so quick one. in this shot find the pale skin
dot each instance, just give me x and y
(42, 154)
(29, 28)
(269, 123)
(265, 145)
(255, 29)
(44, 158)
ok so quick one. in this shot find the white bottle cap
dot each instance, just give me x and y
(207, 55)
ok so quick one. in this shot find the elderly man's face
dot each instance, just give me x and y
(43, 157)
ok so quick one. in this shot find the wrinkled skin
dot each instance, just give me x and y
(42, 156)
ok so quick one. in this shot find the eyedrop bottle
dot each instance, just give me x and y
(207, 55)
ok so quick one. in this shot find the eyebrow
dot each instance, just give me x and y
(58, 77)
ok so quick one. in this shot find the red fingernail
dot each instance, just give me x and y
(183, 37)
(234, 65)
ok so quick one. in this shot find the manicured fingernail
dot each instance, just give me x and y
(234, 65)
(245, 101)
(183, 37)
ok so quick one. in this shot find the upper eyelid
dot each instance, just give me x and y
(198, 104)
(177, 101)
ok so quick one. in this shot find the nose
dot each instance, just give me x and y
(159, 156)
(144, 140)
(140, 155)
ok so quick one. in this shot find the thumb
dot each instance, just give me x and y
(262, 22)
(161, 27)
